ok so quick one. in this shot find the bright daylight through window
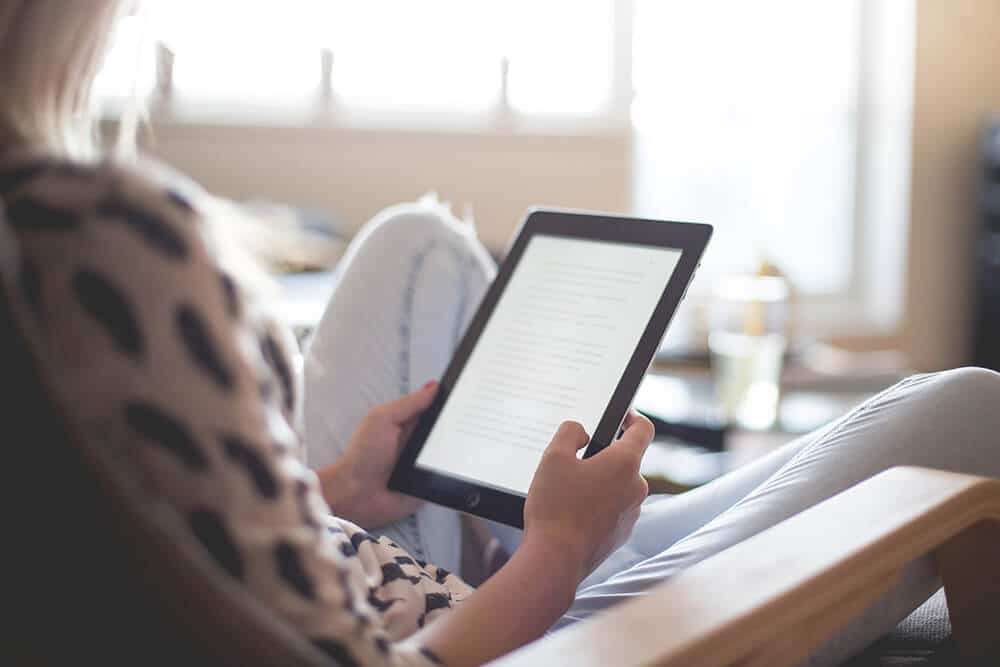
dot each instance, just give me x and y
(751, 123)
(439, 55)
(739, 119)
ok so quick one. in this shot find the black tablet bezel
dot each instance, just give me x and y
(507, 507)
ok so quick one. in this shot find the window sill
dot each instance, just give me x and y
(317, 113)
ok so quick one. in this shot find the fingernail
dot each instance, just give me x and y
(429, 384)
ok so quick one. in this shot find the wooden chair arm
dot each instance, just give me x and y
(775, 597)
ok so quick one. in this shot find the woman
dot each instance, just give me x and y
(175, 375)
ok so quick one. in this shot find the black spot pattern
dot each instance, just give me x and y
(28, 214)
(246, 456)
(194, 334)
(430, 655)
(73, 170)
(378, 604)
(208, 527)
(30, 282)
(230, 295)
(11, 179)
(156, 233)
(441, 575)
(393, 572)
(272, 355)
(433, 602)
(160, 428)
(290, 569)
(180, 201)
(115, 302)
(106, 304)
(360, 537)
(341, 656)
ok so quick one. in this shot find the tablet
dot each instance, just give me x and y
(566, 332)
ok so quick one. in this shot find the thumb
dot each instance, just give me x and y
(407, 407)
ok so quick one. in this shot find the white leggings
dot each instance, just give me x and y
(410, 283)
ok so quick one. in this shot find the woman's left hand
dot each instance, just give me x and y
(356, 486)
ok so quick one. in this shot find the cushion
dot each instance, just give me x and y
(923, 639)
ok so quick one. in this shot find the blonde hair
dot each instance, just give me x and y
(52, 51)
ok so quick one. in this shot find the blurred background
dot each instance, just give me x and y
(841, 148)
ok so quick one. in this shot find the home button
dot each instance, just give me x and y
(472, 500)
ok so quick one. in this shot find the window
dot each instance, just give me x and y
(242, 52)
(560, 55)
(783, 123)
(436, 55)
(746, 117)
(129, 67)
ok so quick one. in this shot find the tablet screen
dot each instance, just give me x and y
(554, 349)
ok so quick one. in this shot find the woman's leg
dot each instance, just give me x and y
(409, 284)
(946, 420)
(666, 519)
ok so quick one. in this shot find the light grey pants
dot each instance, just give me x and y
(410, 284)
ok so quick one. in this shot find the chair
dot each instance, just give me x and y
(88, 577)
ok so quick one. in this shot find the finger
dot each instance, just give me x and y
(641, 490)
(569, 437)
(630, 418)
(409, 406)
(405, 432)
(636, 437)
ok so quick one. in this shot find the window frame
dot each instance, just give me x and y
(323, 109)
(871, 304)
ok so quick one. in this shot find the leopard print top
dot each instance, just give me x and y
(167, 369)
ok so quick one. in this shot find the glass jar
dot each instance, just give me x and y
(747, 339)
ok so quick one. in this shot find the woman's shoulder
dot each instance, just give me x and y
(39, 191)
(144, 237)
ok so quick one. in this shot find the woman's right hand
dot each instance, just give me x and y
(588, 506)
(577, 512)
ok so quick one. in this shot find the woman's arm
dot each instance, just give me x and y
(514, 607)
(578, 512)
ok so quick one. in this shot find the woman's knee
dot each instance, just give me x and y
(400, 232)
(968, 393)
(948, 420)
(952, 421)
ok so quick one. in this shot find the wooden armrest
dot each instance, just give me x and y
(775, 597)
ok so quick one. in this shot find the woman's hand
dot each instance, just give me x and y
(356, 486)
(577, 513)
(588, 507)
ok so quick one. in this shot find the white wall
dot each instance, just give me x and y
(957, 86)
(357, 172)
